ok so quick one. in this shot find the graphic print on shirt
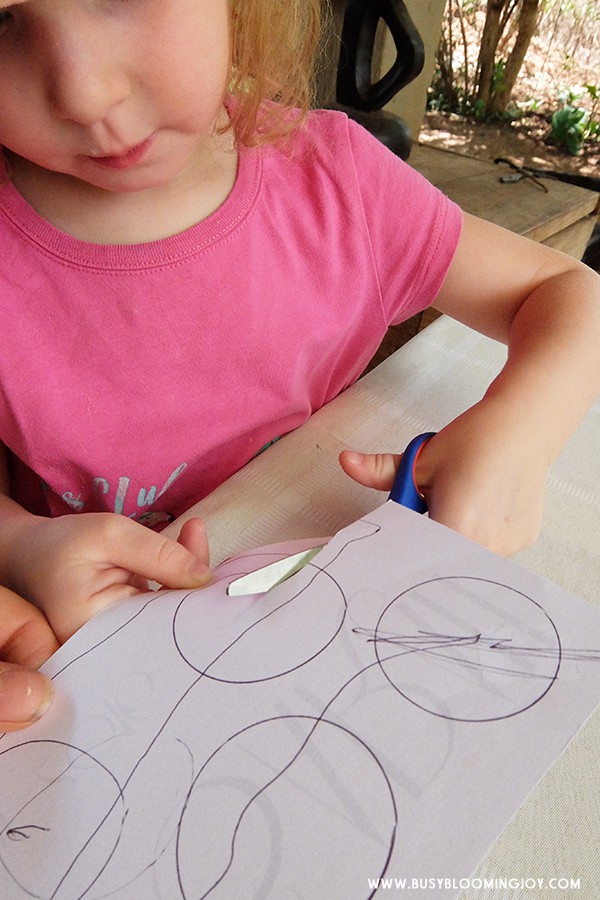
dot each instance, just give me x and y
(146, 497)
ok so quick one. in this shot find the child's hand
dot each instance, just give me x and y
(26, 641)
(483, 483)
(73, 566)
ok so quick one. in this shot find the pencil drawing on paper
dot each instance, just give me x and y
(213, 736)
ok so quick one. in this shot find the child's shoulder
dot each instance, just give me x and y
(329, 136)
(330, 127)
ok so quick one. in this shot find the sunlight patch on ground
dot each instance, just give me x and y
(477, 139)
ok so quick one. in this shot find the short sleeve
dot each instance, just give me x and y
(413, 227)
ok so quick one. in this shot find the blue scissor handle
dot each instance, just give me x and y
(405, 490)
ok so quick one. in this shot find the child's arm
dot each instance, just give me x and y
(74, 565)
(485, 473)
(26, 641)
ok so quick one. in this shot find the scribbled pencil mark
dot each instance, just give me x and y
(23, 832)
(495, 691)
(426, 641)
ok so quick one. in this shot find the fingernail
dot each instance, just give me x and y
(354, 457)
(201, 573)
(24, 695)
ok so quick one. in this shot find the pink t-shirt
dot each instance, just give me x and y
(135, 379)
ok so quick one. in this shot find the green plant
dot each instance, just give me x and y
(571, 124)
(532, 105)
(568, 128)
(498, 77)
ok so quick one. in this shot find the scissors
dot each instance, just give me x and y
(404, 492)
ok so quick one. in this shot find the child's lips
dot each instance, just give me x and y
(128, 158)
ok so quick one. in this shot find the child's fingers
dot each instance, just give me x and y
(193, 537)
(152, 556)
(26, 638)
(374, 470)
(24, 696)
(104, 558)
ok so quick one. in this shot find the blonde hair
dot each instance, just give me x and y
(274, 47)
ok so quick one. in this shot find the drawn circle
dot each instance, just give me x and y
(468, 649)
(56, 842)
(250, 824)
(225, 639)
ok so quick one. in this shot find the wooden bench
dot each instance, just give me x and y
(563, 218)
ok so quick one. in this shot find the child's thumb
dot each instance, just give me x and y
(171, 564)
(374, 470)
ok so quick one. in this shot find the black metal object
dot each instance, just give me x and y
(591, 257)
(518, 172)
(356, 92)
(355, 87)
(589, 182)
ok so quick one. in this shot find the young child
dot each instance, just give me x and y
(192, 264)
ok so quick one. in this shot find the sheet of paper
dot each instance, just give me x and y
(381, 714)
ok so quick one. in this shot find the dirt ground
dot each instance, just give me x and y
(522, 141)
(560, 56)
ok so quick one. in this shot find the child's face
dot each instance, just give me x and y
(120, 94)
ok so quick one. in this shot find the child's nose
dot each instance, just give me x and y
(86, 80)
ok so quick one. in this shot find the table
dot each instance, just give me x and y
(562, 218)
(296, 489)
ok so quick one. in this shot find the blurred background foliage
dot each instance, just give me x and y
(509, 59)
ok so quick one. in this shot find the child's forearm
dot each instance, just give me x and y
(546, 306)
(484, 474)
(552, 375)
